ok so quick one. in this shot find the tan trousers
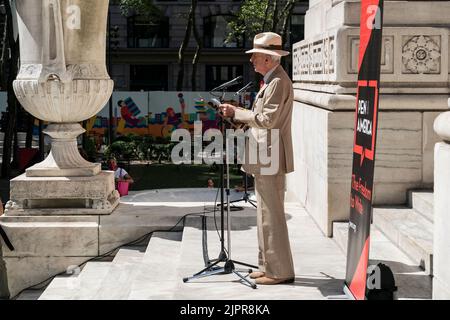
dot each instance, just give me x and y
(275, 257)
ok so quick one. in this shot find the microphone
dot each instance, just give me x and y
(228, 84)
(244, 89)
(215, 102)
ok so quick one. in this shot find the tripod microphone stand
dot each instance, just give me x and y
(246, 196)
(225, 255)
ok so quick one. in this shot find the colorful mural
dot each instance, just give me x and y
(155, 113)
(158, 113)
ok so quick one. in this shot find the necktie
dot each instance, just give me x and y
(261, 84)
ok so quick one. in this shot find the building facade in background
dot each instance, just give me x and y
(145, 55)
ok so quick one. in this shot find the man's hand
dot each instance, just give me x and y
(227, 110)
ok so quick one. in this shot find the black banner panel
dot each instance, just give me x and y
(366, 118)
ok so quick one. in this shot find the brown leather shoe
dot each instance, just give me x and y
(272, 281)
(257, 274)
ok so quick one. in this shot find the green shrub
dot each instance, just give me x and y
(121, 150)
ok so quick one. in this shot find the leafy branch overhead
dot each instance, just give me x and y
(255, 16)
(145, 8)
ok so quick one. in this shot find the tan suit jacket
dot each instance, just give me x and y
(272, 109)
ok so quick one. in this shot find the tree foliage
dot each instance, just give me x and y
(255, 16)
(145, 8)
(9, 62)
(250, 19)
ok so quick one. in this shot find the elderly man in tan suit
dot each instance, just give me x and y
(270, 126)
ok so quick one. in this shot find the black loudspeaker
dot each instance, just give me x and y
(386, 288)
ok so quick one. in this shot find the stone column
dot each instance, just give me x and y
(441, 236)
(414, 90)
(53, 215)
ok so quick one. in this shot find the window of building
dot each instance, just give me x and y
(219, 74)
(216, 31)
(145, 34)
(149, 78)
(297, 28)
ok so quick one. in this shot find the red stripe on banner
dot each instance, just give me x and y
(365, 31)
(358, 284)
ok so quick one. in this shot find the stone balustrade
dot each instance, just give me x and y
(441, 240)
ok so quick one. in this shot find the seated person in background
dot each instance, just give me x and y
(120, 174)
(210, 183)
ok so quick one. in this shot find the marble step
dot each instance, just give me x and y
(61, 288)
(243, 249)
(409, 231)
(90, 279)
(340, 235)
(77, 287)
(122, 272)
(87, 283)
(423, 202)
(156, 277)
(30, 295)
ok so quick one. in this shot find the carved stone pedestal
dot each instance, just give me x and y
(53, 214)
(64, 159)
(64, 195)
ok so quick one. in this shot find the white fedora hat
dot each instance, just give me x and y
(268, 43)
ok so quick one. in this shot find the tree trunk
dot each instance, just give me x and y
(4, 49)
(4, 291)
(199, 41)
(15, 148)
(287, 12)
(12, 65)
(9, 136)
(41, 141)
(266, 15)
(275, 16)
(181, 52)
(30, 126)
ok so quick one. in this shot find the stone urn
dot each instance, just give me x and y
(63, 78)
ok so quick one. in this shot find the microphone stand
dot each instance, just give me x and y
(224, 255)
(246, 196)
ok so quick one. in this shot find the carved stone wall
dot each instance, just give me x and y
(406, 53)
(415, 86)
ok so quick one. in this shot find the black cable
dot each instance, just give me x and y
(6, 239)
(33, 287)
(215, 217)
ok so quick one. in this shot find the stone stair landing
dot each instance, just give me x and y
(410, 228)
(412, 281)
(157, 271)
